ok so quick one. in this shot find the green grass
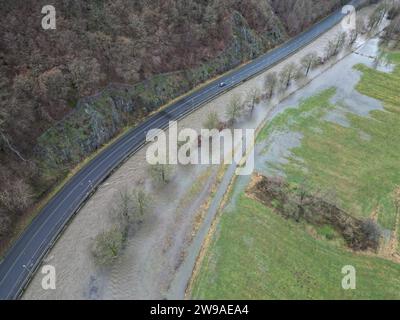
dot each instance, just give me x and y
(256, 254)
(392, 56)
(327, 232)
(315, 106)
(361, 163)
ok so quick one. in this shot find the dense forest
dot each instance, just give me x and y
(157, 48)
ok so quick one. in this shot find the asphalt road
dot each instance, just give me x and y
(25, 256)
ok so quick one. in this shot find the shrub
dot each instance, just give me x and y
(108, 246)
(371, 234)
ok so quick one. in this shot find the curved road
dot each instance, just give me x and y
(25, 256)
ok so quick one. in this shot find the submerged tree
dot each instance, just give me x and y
(270, 83)
(123, 209)
(287, 74)
(161, 173)
(107, 246)
(309, 62)
(142, 206)
(334, 47)
(235, 110)
(251, 99)
(377, 16)
(212, 121)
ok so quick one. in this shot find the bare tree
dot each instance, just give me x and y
(334, 47)
(361, 26)
(290, 209)
(302, 191)
(252, 97)
(353, 36)
(141, 204)
(161, 173)
(5, 223)
(107, 246)
(4, 140)
(270, 83)
(329, 50)
(123, 209)
(371, 234)
(340, 41)
(287, 75)
(377, 16)
(394, 11)
(129, 209)
(212, 121)
(84, 74)
(359, 29)
(309, 62)
(392, 32)
(235, 110)
(16, 197)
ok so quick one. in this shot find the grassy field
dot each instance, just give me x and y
(256, 254)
